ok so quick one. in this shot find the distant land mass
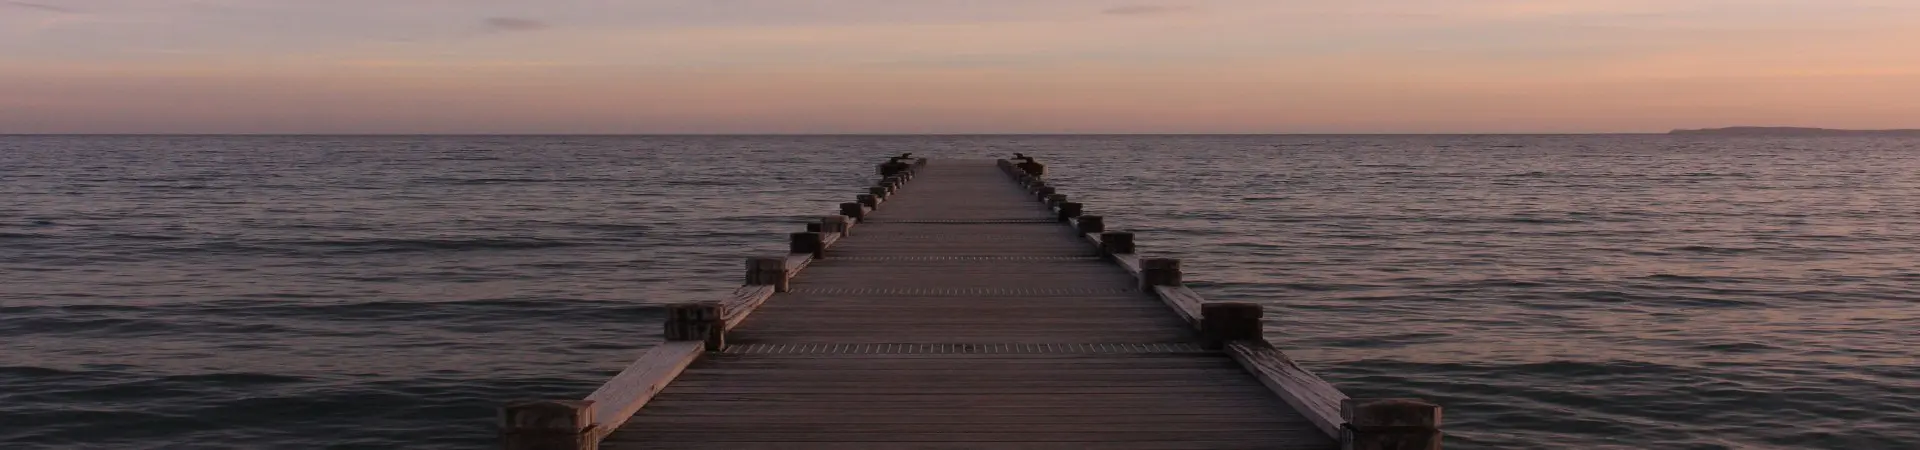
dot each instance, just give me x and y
(1790, 131)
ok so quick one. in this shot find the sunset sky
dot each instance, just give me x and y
(953, 66)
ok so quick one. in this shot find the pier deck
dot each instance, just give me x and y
(960, 310)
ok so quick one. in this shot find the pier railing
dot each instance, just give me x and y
(1238, 329)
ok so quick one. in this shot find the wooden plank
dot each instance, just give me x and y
(994, 389)
(770, 412)
(689, 434)
(623, 395)
(1312, 396)
(1129, 261)
(964, 315)
(668, 414)
(976, 400)
(744, 301)
(1183, 301)
(1029, 425)
(796, 262)
(1217, 443)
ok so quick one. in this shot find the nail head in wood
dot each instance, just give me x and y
(1159, 272)
(698, 321)
(1116, 242)
(1223, 322)
(1093, 224)
(548, 425)
(1389, 424)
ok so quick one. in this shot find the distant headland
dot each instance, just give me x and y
(1790, 131)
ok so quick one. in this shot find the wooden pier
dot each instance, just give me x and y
(962, 304)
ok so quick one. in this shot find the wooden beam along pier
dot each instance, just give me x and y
(976, 306)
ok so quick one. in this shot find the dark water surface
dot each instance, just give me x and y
(388, 292)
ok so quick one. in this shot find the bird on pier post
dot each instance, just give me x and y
(895, 165)
(1028, 165)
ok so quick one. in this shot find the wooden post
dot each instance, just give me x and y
(852, 211)
(1389, 424)
(548, 425)
(1069, 210)
(879, 191)
(1093, 224)
(1056, 199)
(834, 224)
(869, 200)
(1225, 322)
(1043, 192)
(767, 272)
(1116, 242)
(809, 243)
(1159, 272)
(698, 321)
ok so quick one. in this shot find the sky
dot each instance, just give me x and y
(954, 66)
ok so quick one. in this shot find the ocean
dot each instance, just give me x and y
(1592, 291)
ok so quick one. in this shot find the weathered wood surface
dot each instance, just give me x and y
(964, 314)
(1304, 391)
(1183, 301)
(620, 397)
(744, 302)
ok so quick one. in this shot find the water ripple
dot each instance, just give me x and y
(1595, 292)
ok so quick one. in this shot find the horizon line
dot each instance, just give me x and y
(853, 134)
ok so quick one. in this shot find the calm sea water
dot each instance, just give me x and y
(388, 292)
